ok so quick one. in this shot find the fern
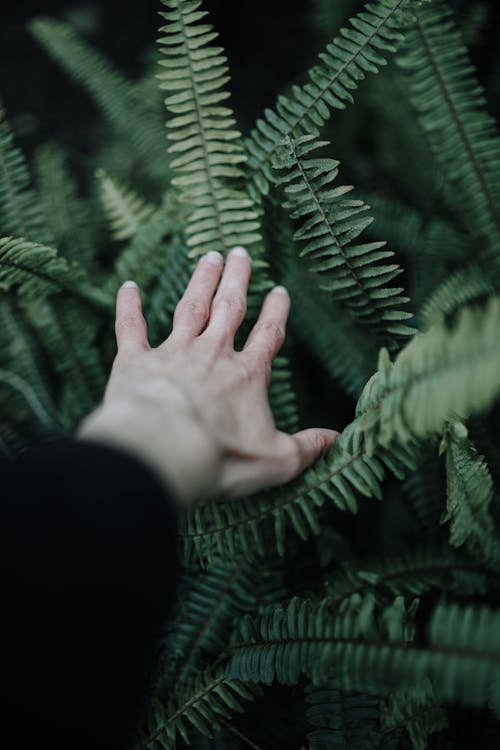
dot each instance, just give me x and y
(401, 400)
(461, 657)
(205, 143)
(125, 210)
(343, 718)
(414, 574)
(466, 286)
(20, 213)
(348, 269)
(114, 95)
(203, 703)
(355, 52)
(450, 102)
(469, 495)
(416, 711)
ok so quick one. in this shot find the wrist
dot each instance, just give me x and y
(173, 445)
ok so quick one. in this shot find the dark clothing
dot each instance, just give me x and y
(88, 574)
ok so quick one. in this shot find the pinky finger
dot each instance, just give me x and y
(130, 326)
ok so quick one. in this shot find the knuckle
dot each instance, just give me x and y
(128, 322)
(235, 304)
(192, 307)
(273, 332)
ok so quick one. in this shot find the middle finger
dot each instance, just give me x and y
(230, 303)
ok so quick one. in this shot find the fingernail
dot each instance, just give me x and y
(130, 284)
(280, 290)
(214, 258)
(238, 250)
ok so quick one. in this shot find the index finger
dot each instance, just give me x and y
(130, 326)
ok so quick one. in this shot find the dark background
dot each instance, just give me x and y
(269, 44)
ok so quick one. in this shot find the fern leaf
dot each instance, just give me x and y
(67, 216)
(144, 257)
(464, 287)
(439, 373)
(469, 495)
(24, 389)
(125, 210)
(114, 95)
(21, 352)
(237, 525)
(331, 225)
(210, 602)
(450, 103)
(67, 333)
(30, 268)
(461, 657)
(414, 710)
(344, 718)
(353, 53)
(412, 574)
(35, 270)
(208, 157)
(200, 703)
(20, 213)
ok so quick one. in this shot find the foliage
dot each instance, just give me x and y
(358, 605)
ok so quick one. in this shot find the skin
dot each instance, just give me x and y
(194, 409)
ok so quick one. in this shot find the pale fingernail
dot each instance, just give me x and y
(238, 250)
(280, 290)
(130, 285)
(214, 258)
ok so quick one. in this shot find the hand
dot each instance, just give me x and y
(194, 409)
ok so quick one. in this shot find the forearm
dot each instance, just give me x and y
(91, 571)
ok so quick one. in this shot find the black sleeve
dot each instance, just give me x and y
(89, 572)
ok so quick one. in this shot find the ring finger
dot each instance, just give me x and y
(193, 309)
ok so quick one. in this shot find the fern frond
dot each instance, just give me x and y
(125, 210)
(350, 270)
(353, 53)
(209, 604)
(67, 333)
(22, 388)
(344, 718)
(314, 639)
(21, 352)
(30, 268)
(450, 103)
(469, 495)
(67, 216)
(144, 257)
(412, 574)
(466, 286)
(20, 213)
(35, 270)
(208, 156)
(425, 490)
(439, 373)
(201, 703)
(414, 710)
(236, 526)
(114, 95)
(461, 656)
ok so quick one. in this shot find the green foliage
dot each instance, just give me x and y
(367, 622)
(450, 103)
(205, 143)
(348, 269)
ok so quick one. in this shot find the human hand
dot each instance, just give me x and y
(193, 408)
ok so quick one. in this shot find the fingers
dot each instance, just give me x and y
(130, 326)
(193, 310)
(268, 334)
(230, 303)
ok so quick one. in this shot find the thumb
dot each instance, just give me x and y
(313, 443)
